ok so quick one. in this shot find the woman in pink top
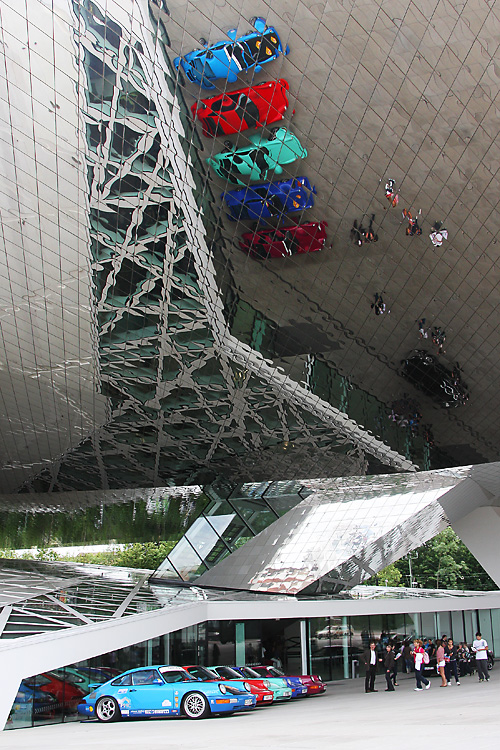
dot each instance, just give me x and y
(440, 663)
(418, 655)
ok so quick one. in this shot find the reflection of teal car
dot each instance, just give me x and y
(162, 691)
(281, 689)
(259, 158)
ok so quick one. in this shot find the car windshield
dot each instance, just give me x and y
(228, 673)
(202, 673)
(276, 672)
(176, 676)
(202, 66)
(250, 672)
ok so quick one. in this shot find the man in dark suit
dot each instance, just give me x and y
(370, 660)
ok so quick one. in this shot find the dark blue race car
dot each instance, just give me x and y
(270, 199)
(228, 59)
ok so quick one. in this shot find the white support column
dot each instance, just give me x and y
(304, 646)
(480, 532)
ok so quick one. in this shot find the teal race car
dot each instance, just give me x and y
(162, 691)
(259, 158)
(279, 685)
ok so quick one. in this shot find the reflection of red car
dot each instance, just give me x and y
(264, 695)
(239, 110)
(68, 695)
(285, 241)
(312, 682)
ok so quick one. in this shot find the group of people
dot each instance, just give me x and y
(451, 661)
(360, 235)
(405, 412)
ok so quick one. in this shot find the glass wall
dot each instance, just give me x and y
(335, 648)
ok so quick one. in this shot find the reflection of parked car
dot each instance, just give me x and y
(162, 691)
(262, 156)
(33, 702)
(228, 59)
(426, 372)
(270, 199)
(259, 688)
(335, 631)
(68, 695)
(282, 243)
(235, 111)
(312, 683)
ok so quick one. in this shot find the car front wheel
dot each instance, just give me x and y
(195, 706)
(107, 709)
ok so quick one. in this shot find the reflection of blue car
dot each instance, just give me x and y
(270, 199)
(162, 691)
(228, 59)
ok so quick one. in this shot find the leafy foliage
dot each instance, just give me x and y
(140, 555)
(443, 562)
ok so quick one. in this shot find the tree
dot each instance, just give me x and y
(445, 562)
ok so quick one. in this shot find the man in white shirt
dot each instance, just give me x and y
(480, 648)
(370, 659)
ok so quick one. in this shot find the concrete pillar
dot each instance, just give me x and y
(480, 532)
(239, 636)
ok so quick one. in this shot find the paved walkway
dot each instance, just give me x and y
(344, 717)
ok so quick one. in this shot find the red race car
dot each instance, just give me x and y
(312, 682)
(243, 109)
(285, 241)
(264, 695)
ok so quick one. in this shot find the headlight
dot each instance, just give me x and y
(223, 689)
(267, 684)
(247, 686)
(319, 678)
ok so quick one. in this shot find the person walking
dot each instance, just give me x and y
(379, 305)
(441, 663)
(480, 648)
(370, 662)
(451, 662)
(463, 655)
(389, 665)
(357, 233)
(418, 655)
(407, 657)
(391, 194)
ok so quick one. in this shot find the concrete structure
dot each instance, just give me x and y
(142, 350)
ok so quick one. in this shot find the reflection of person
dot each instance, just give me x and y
(370, 662)
(480, 648)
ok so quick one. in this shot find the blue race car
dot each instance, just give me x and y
(270, 199)
(228, 59)
(162, 691)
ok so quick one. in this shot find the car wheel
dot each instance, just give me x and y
(195, 706)
(107, 709)
(228, 145)
(272, 137)
(203, 41)
(252, 20)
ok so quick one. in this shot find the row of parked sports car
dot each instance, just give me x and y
(193, 691)
(257, 106)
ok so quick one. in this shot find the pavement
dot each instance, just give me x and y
(456, 717)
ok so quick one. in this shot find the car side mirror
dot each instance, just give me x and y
(232, 33)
